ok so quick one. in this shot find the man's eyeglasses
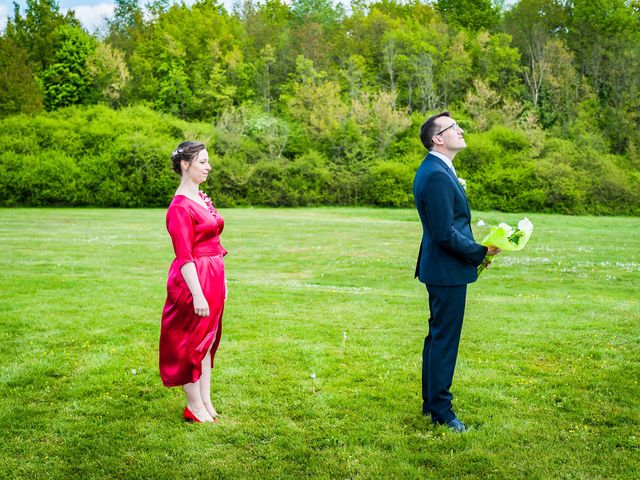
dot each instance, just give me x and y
(454, 125)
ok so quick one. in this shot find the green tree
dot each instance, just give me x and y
(380, 120)
(561, 90)
(173, 93)
(66, 80)
(324, 12)
(470, 14)
(126, 27)
(531, 24)
(314, 101)
(497, 62)
(39, 31)
(410, 55)
(19, 92)
(107, 69)
(454, 72)
(268, 46)
(604, 36)
(316, 24)
(267, 59)
(482, 103)
(354, 73)
(190, 61)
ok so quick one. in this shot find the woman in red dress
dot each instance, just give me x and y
(196, 288)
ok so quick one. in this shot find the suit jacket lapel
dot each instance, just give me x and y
(455, 180)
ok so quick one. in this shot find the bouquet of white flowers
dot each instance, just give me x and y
(507, 238)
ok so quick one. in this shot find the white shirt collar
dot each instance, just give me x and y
(445, 159)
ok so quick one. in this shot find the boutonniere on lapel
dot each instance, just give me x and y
(462, 182)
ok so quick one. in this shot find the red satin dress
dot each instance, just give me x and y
(184, 336)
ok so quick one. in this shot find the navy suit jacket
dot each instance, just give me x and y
(448, 253)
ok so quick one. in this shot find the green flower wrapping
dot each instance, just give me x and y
(507, 238)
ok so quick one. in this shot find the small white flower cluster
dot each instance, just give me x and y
(176, 152)
(462, 182)
(524, 225)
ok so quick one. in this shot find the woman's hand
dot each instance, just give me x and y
(200, 306)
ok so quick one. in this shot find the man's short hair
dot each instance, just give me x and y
(429, 129)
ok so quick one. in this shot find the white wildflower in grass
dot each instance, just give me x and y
(313, 381)
(134, 371)
(507, 238)
(480, 223)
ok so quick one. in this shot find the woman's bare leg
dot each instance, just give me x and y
(195, 403)
(205, 384)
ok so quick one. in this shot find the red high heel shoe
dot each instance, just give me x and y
(189, 416)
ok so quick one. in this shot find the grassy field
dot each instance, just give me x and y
(547, 375)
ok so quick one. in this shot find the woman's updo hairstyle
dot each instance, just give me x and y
(186, 151)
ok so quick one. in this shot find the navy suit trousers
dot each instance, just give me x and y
(446, 306)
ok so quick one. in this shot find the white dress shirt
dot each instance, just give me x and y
(446, 160)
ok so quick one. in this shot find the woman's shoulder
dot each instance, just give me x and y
(180, 205)
(179, 200)
(182, 201)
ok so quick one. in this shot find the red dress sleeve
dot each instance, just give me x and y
(180, 225)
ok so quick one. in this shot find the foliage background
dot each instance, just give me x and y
(309, 103)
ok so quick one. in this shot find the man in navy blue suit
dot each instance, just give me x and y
(448, 260)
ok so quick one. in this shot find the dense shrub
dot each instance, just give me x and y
(565, 188)
(268, 184)
(91, 157)
(508, 139)
(479, 154)
(308, 180)
(96, 156)
(389, 184)
(230, 179)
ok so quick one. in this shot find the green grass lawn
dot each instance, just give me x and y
(547, 376)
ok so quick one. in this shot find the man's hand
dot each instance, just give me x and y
(492, 251)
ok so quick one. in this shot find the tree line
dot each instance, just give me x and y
(311, 103)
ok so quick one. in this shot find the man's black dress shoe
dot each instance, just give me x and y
(454, 424)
